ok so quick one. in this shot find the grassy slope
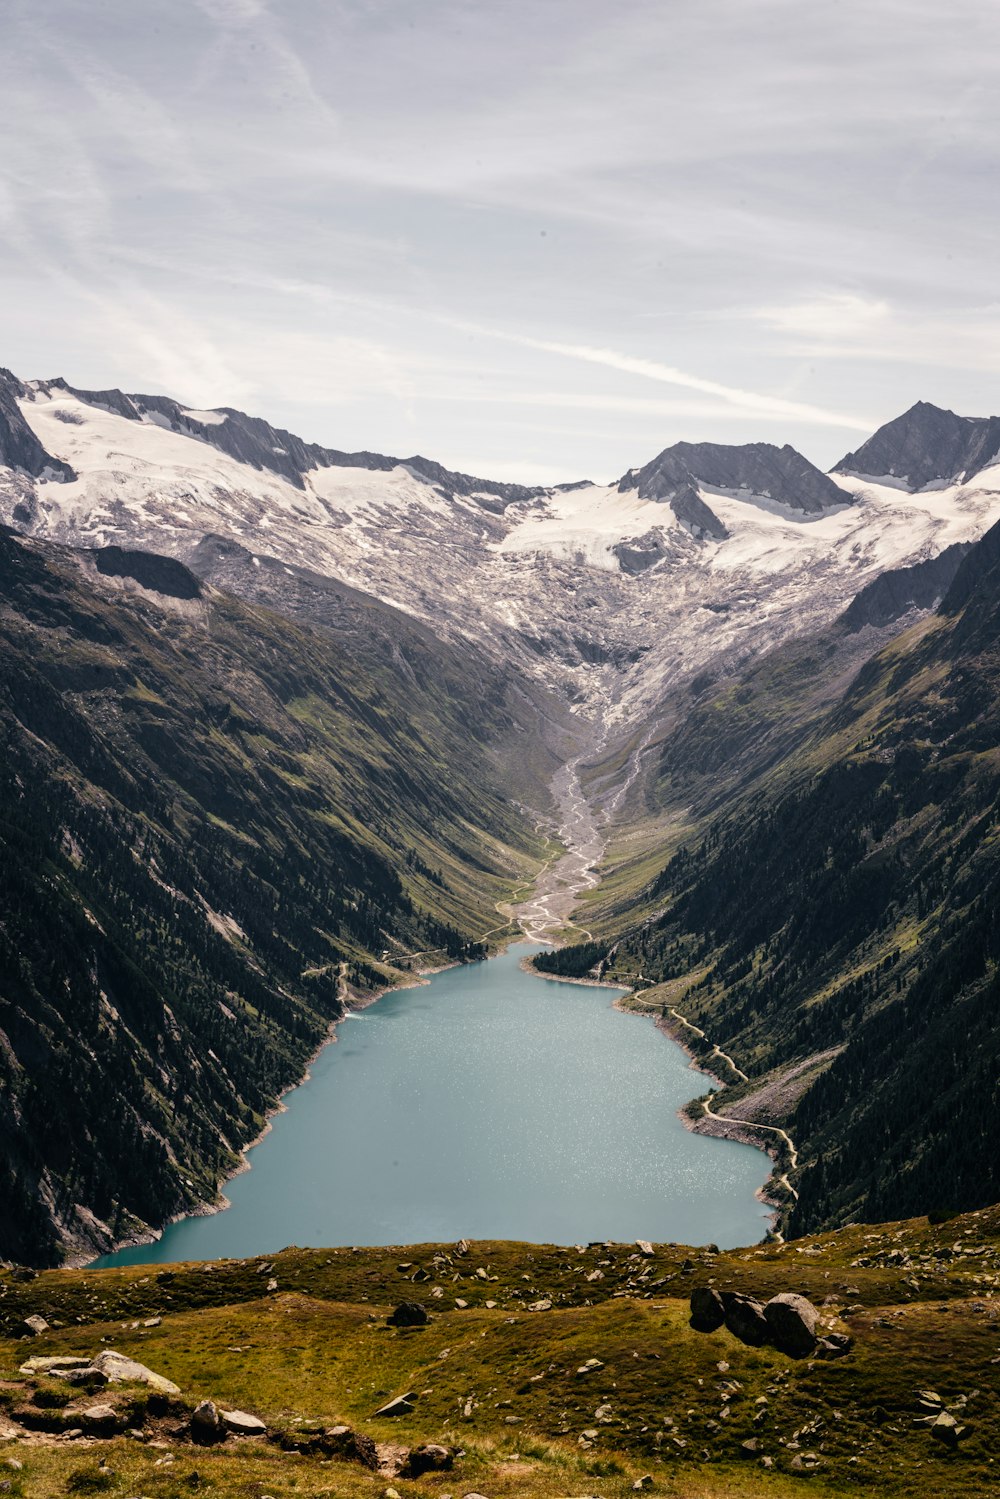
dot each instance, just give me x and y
(501, 1382)
(211, 819)
(834, 914)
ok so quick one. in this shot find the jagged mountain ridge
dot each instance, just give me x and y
(758, 468)
(926, 446)
(608, 594)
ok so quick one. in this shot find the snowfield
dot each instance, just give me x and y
(540, 580)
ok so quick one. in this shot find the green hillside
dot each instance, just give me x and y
(214, 824)
(832, 925)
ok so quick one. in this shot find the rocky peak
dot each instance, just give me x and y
(760, 468)
(19, 447)
(927, 445)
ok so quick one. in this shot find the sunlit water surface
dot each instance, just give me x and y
(487, 1104)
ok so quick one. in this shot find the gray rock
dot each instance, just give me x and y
(206, 1423)
(122, 1370)
(428, 1458)
(401, 1405)
(242, 1424)
(707, 1310)
(409, 1314)
(792, 1321)
(745, 1319)
(947, 1430)
(834, 1345)
(36, 1325)
(54, 1365)
(103, 1419)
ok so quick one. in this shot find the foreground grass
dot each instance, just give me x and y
(498, 1378)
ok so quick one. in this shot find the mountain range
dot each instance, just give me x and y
(243, 674)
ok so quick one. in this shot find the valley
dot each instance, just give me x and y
(622, 718)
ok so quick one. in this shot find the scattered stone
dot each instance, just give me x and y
(408, 1314)
(428, 1458)
(645, 1482)
(541, 1306)
(401, 1405)
(792, 1321)
(590, 1366)
(460, 1303)
(645, 1248)
(272, 1284)
(103, 1419)
(750, 1448)
(834, 1345)
(707, 1310)
(947, 1430)
(36, 1325)
(242, 1424)
(152, 1322)
(206, 1424)
(121, 1370)
(51, 1365)
(8, 1431)
(804, 1462)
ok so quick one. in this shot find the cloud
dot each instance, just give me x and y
(755, 402)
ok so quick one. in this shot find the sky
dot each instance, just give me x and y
(535, 240)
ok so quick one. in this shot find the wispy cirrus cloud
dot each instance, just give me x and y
(343, 212)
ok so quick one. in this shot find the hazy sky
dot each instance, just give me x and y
(534, 239)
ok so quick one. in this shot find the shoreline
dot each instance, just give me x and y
(716, 1126)
(221, 1202)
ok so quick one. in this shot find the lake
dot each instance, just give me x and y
(487, 1104)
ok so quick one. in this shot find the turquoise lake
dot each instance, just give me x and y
(486, 1104)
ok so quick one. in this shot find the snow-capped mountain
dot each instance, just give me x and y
(610, 594)
(927, 448)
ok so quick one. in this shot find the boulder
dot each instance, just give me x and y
(745, 1319)
(54, 1365)
(707, 1310)
(103, 1420)
(402, 1405)
(409, 1314)
(242, 1424)
(206, 1424)
(428, 1458)
(947, 1430)
(123, 1370)
(792, 1321)
(36, 1325)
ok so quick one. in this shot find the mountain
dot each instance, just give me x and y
(20, 449)
(235, 661)
(758, 468)
(926, 447)
(216, 826)
(607, 595)
(832, 926)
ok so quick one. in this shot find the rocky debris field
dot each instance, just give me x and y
(864, 1360)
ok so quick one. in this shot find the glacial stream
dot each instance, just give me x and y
(488, 1103)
